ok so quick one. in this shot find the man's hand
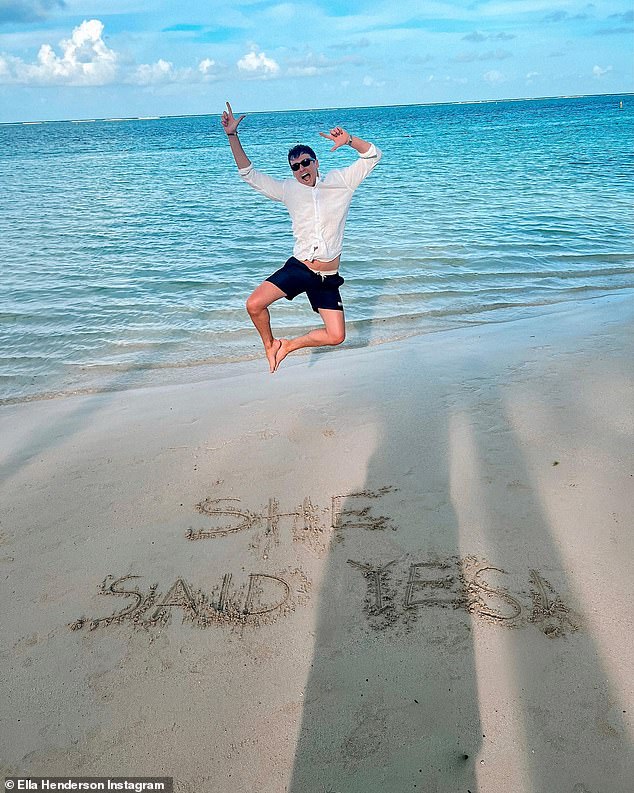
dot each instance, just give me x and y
(338, 136)
(229, 121)
(230, 124)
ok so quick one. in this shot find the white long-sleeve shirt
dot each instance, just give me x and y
(318, 213)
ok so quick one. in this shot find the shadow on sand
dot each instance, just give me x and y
(392, 702)
(404, 692)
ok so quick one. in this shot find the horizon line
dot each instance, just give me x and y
(315, 109)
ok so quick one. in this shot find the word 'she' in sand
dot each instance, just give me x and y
(318, 207)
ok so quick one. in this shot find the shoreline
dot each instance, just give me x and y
(153, 375)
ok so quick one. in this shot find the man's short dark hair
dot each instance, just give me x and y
(301, 149)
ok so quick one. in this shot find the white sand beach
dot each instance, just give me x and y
(405, 567)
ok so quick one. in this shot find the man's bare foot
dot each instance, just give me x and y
(282, 352)
(271, 353)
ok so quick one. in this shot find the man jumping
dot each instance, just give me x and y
(318, 207)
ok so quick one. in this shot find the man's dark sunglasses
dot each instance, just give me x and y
(304, 163)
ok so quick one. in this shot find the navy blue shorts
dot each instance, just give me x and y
(295, 278)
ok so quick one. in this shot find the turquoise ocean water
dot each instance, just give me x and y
(128, 247)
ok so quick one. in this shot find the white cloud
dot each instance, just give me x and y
(282, 12)
(163, 72)
(85, 60)
(256, 63)
(5, 70)
(154, 73)
(312, 64)
(494, 77)
(302, 71)
(447, 79)
(530, 75)
(206, 66)
(370, 82)
(599, 71)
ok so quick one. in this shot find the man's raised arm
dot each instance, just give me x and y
(369, 155)
(340, 137)
(271, 188)
(230, 124)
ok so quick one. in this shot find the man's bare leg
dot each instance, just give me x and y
(257, 306)
(333, 332)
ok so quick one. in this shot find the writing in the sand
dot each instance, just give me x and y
(396, 590)
(390, 592)
(258, 599)
(346, 511)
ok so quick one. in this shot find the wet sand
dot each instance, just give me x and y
(397, 568)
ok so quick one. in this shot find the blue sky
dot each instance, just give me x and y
(63, 59)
